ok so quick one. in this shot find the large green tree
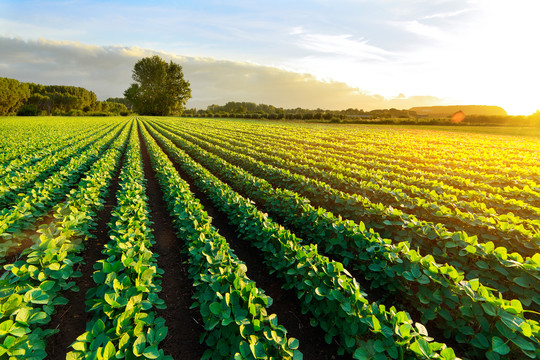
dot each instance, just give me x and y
(159, 88)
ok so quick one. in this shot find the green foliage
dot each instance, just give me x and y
(159, 88)
(30, 288)
(354, 202)
(398, 269)
(29, 99)
(325, 288)
(28, 110)
(114, 108)
(233, 309)
(433, 238)
(60, 98)
(123, 101)
(476, 115)
(26, 203)
(123, 303)
(13, 95)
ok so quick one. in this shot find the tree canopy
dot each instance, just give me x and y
(35, 99)
(159, 88)
(60, 98)
(13, 95)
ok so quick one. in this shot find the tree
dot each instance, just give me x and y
(124, 101)
(159, 88)
(113, 107)
(13, 94)
(61, 98)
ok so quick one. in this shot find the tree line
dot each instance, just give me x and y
(160, 89)
(27, 99)
(250, 110)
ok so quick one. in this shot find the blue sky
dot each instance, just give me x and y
(462, 51)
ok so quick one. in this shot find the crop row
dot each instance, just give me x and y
(502, 229)
(233, 309)
(438, 291)
(325, 288)
(508, 273)
(459, 155)
(30, 287)
(24, 140)
(39, 199)
(17, 179)
(446, 278)
(373, 181)
(124, 321)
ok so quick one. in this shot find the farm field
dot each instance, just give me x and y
(157, 237)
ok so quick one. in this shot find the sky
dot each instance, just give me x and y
(328, 54)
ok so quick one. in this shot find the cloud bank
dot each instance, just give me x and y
(106, 70)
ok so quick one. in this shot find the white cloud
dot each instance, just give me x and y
(424, 30)
(107, 71)
(296, 30)
(341, 45)
(445, 15)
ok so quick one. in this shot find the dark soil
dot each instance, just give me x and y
(286, 304)
(185, 325)
(71, 319)
(25, 238)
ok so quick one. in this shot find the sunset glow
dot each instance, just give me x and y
(452, 52)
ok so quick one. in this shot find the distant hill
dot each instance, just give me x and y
(446, 111)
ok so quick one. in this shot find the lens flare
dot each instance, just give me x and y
(458, 117)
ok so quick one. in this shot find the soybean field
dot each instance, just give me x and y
(184, 238)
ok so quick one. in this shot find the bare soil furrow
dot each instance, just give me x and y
(185, 325)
